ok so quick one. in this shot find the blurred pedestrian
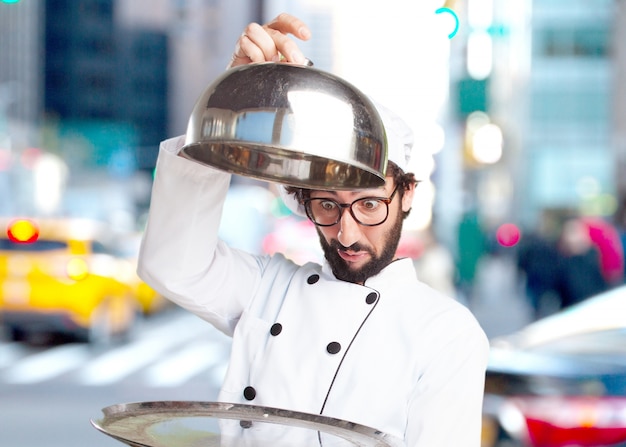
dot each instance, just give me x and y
(471, 246)
(606, 238)
(621, 228)
(580, 275)
(538, 261)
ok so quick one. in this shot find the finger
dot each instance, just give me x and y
(270, 42)
(283, 25)
(273, 41)
(288, 24)
(287, 47)
(245, 52)
(254, 45)
(280, 27)
(260, 44)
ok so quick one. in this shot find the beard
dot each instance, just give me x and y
(341, 268)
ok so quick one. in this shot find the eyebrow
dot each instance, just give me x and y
(333, 193)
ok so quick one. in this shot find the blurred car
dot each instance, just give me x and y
(561, 381)
(126, 248)
(62, 277)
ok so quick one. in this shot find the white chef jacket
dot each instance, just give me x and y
(392, 354)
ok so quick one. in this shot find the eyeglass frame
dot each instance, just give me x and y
(343, 206)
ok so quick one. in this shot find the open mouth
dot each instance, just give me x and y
(352, 256)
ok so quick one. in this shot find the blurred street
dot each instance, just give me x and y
(173, 355)
(498, 300)
(51, 391)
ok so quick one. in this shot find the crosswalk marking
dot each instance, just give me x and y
(10, 352)
(169, 352)
(117, 364)
(47, 364)
(178, 368)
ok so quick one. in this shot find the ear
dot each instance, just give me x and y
(407, 198)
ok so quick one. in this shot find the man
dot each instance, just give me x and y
(358, 338)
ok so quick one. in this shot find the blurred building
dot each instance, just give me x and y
(568, 149)
(123, 75)
(105, 82)
(201, 36)
(21, 61)
(101, 83)
(544, 72)
(21, 79)
(72, 63)
(619, 106)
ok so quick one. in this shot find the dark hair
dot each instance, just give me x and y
(400, 178)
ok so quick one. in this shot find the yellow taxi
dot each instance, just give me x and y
(126, 248)
(61, 276)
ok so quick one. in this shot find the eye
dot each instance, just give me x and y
(369, 204)
(327, 205)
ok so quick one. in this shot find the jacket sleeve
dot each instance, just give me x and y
(446, 406)
(181, 255)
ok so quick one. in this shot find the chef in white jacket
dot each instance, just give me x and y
(359, 337)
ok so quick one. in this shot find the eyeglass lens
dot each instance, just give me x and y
(367, 211)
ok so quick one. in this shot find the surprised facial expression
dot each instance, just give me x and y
(354, 251)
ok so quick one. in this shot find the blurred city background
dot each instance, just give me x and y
(519, 114)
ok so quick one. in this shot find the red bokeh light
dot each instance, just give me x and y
(508, 235)
(22, 231)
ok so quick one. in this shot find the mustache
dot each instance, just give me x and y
(336, 245)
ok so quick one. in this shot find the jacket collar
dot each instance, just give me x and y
(400, 271)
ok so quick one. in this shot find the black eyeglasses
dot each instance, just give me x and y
(368, 211)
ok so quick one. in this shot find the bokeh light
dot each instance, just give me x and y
(22, 231)
(508, 235)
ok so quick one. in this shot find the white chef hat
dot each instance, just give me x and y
(399, 145)
(399, 137)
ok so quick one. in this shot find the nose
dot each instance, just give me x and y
(349, 229)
